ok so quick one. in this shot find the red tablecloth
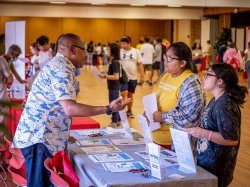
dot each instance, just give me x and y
(84, 123)
(77, 122)
(12, 118)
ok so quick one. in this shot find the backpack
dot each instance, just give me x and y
(234, 63)
(123, 78)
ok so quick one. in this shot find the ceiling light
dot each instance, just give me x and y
(57, 2)
(174, 5)
(137, 5)
(98, 4)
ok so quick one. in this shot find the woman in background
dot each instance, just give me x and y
(113, 79)
(219, 134)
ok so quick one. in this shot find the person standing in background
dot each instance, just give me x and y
(157, 57)
(247, 60)
(197, 54)
(208, 54)
(44, 54)
(2, 44)
(233, 56)
(131, 61)
(147, 51)
(90, 52)
(34, 65)
(112, 77)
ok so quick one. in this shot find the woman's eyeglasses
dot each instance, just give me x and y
(169, 58)
(206, 75)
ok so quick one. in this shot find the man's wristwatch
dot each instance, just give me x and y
(108, 110)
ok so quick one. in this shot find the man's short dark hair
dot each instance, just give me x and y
(126, 39)
(147, 40)
(42, 40)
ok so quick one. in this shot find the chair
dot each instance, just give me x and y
(3, 177)
(16, 165)
(18, 176)
(56, 180)
(17, 160)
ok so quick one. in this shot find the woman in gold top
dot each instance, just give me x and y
(180, 96)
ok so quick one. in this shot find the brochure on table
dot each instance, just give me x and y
(128, 141)
(145, 130)
(125, 124)
(100, 149)
(183, 149)
(123, 166)
(157, 170)
(110, 157)
(116, 130)
(90, 132)
(93, 142)
(150, 106)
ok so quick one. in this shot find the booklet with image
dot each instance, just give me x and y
(93, 142)
(100, 149)
(123, 166)
(110, 157)
(150, 106)
(127, 141)
(183, 149)
(168, 153)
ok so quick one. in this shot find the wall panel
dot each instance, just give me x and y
(97, 29)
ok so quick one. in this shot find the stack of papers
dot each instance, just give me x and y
(100, 149)
(123, 166)
(110, 157)
(90, 132)
(127, 141)
(93, 142)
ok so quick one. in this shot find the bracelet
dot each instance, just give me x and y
(209, 136)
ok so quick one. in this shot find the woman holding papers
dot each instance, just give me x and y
(180, 97)
(219, 134)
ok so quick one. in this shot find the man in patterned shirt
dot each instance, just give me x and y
(44, 126)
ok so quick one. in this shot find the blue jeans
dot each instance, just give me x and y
(37, 174)
(161, 67)
(114, 94)
(248, 72)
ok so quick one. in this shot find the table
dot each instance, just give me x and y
(84, 123)
(12, 119)
(91, 173)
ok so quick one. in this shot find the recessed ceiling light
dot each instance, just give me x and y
(137, 5)
(57, 2)
(174, 5)
(98, 4)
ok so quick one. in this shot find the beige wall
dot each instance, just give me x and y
(182, 31)
(99, 30)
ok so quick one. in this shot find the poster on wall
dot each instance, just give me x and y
(15, 34)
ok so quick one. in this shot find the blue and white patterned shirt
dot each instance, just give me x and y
(43, 119)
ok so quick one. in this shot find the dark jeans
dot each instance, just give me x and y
(248, 72)
(114, 94)
(37, 174)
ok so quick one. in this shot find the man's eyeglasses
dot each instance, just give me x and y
(206, 75)
(82, 48)
(169, 58)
